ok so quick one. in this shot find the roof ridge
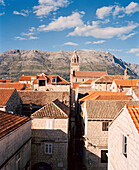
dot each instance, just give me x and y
(59, 108)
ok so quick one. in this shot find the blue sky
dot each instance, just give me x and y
(53, 25)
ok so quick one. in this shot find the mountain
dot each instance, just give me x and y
(14, 63)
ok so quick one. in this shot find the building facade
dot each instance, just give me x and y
(123, 140)
(15, 141)
(49, 136)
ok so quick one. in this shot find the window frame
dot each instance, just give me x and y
(102, 160)
(105, 125)
(124, 146)
(50, 151)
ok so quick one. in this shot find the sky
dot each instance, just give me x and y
(54, 25)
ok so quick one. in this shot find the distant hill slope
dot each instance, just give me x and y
(14, 63)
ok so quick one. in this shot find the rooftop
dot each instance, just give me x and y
(134, 113)
(9, 122)
(93, 94)
(109, 78)
(89, 74)
(26, 78)
(17, 86)
(5, 95)
(114, 97)
(54, 109)
(127, 83)
(105, 109)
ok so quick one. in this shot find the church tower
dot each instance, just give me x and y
(74, 65)
(126, 74)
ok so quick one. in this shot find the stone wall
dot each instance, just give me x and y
(97, 140)
(57, 136)
(123, 125)
(16, 145)
(14, 104)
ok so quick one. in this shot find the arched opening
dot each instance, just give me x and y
(41, 166)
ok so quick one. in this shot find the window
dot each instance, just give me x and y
(41, 82)
(105, 126)
(49, 123)
(104, 158)
(18, 162)
(48, 148)
(76, 80)
(125, 146)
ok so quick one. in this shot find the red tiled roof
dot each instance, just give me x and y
(93, 94)
(5, 81)
(113, 97)
(134, 113)
(127, 83)
(17, 86)
(89, 74)
(60, 80)
(87, 87)
(75, 85)
(42, 77)
(9, 122)
(109, 78)
(5, 95)
(89, 81)
(53, 109)
(35, 81)
(25, 78)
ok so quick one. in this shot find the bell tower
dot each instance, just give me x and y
(126, 74)
(74, 65)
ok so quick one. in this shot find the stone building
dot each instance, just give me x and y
(15, 142)
(77, 76)
(97, 114)
(123, 85)
(123, 140)
(134, 91)
(10, 100)
(49, 136)
(104, 83)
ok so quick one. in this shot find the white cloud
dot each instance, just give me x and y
(98, 32)
(2, 13)
(71, 43)
(124, 37)
(99, 42)
(32, 29)
(117, 50)
(2, 2)
(118, 10)
(46, 6)
(133, 50)
(33, 38)
(23, 13)
(104, 11)
(63, 22)
(132, 8)
(20, 38)
(27, 34)
(137, 54)
(88, 42)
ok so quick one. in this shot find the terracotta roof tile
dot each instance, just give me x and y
(25, 78)
(114, 97)
(5, 81)
(93, 94)
(87, 87)
(17, 86)
(75, 85)
(89, 74)
(52, 110)
(134, 113)
(105, 109)
(9, 122)
(89, 81)
(42, 97)
(60, 80)
(5, 95)
(127, 83)
(109, 78)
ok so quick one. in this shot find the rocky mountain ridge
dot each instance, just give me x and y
(14, 63)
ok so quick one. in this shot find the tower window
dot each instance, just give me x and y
(76, 80)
